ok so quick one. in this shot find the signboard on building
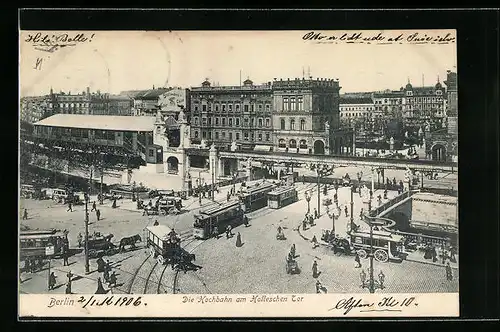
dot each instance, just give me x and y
(173, 100)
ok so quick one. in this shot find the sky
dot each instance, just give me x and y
(114, 61)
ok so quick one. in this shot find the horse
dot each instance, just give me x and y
(131, 240)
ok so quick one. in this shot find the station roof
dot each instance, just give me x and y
(100, 122)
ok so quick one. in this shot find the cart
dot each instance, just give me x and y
(100, 245)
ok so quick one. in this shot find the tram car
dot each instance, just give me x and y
(36, 244)
(221, 216)
(386, 246)
(165, 246)
(281, 196)
(255, 197)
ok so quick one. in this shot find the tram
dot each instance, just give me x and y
(221, 216)
(41, 244)
(255, 197)
(282, 196)
(165, 245)
(386, 246)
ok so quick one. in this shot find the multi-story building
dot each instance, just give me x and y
(355, 111)
(388, 103)
(306, 117)
(33, 109)
(423, 105)
(145, 102)
(222, 115)
(173, 101)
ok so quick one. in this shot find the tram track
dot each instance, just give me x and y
(134, 276)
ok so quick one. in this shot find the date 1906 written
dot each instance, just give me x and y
(111, 301)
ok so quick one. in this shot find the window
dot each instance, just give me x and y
(246, 108)
(209, 121)
(268, 122)
(281, 143)
(292, 103)
(237, 136)
(151, 153)
(260, 122)
(245, 136)
(204, 134)
(204, 108)
(230, 136)
(223, 107)
(268, 137)
(223, 121)
(260, 137)
(217, 108)
(252, 108)
(246, 121)
(302, 144)
(230, 122)
(196, 120)
(302, 124)
(253, 122)
(268, 107)
(209, 135)
(293, 144)
(237, 122)
(292, 124)
(204, 121)
(285, 104)
(282, 121)
(216, 121)
(300, 105)
(196, 134)
(223, 134)
(230, 106)
(237, 107)
(216, 135)
(260, 107)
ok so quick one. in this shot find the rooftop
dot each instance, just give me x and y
(100, 122)
(355, 100)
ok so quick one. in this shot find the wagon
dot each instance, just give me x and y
(99, 245)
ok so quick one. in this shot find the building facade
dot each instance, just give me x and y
(422, 105)
(306, 116)
(222, 115)
(355, 111)
(33, 109)
(388, 103)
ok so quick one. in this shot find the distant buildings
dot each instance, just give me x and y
(33, 109)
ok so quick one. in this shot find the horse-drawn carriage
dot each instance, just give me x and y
(164, 205)
(100, 245)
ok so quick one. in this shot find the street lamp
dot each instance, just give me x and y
(372, 284)
(308, 199)
(352, 208)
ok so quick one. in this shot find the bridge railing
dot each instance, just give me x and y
(396, 200)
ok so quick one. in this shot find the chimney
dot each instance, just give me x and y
(88, 90)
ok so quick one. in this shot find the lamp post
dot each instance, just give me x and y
(372, 284)
(308, 199)
(87, 265)
(319, 190)
(351, 225)
(213, 181)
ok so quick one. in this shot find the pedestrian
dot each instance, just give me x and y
(112, 279)
(245, 221)
(371, 194)
(346, 212)
(100, 288)
(449, 272)
(318, 287)
(314, 242)
(215, 232)
(379, 198)
(52, 280)
(80, 240)
(93, 207)
(357, 260)
(199, 199)
(106, 275)
(68, 288)
(156, 223)
(65, 256)
(292, 250)
(114, 204)
(100, 265)
(25, 214)
(303, 179)
(362, 276)
(227, 232)
(315, 269)
(315, 213)
(228, 196)
(238, 240)
(70, 207)
(385, 193)
(98, 214)
(381, 279)
(434, 254)
(304, 224)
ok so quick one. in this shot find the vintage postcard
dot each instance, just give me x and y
(238, 174)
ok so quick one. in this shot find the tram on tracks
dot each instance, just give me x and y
(281, 197)
(386, 246)
(255, 197)
(41, 244)
(165, 245)
(219, 216)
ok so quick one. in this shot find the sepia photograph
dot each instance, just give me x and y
(238, 167)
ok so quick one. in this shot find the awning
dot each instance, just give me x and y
(266, 148)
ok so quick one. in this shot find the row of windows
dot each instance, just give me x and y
(293, 103)
(67, 105)
(292, 144)
(438, 92)
(292, 124)
(361, 108)
(391, 101)
(222, 135)
(232, 121)
(425, 100)
(229, 107)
